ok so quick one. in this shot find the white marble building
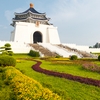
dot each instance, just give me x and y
(31, 26)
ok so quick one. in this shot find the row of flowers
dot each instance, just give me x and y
(91, 66)
(89, 81)
(85, 64)
(26, 88)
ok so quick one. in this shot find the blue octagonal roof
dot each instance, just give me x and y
(32, 10)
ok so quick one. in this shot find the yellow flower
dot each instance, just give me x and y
(27, 88)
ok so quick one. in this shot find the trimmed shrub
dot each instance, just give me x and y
(6, 49)
(73, 57)
(99, 57)
(58, 56)
(4, 52)
(10, 53)
(6, 60)
(2, 47)
(34, 53)
(7, 45)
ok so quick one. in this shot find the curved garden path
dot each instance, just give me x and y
(89, 81)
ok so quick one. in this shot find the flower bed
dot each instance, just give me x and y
(91, 66)
(89, 81)
(25, 88)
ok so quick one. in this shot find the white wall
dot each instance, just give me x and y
(20, 47)
(83, 48)
(94, 50)
(17, 47)
(23, 32)
(53, 35)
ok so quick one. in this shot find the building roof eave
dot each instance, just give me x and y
(23, 13)
(31, 19)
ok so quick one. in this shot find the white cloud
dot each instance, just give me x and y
(78, 20)
(75, 10)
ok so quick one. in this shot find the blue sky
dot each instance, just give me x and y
(78, 21)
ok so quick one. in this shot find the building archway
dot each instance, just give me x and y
(37, 37)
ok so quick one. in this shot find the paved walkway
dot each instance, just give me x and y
(89, 81)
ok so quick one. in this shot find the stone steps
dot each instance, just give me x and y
(83, 53)
(44, 51)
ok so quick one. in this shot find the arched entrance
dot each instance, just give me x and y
(37, 37)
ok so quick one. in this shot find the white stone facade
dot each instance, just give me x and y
(24, 32)
(17, 47)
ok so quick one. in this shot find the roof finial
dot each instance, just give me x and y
(31, 5)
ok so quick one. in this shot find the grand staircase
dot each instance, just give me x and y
(51, 50)
(83, 53)
(59, 50)
(44, 51)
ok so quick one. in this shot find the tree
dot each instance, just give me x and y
(6, 49)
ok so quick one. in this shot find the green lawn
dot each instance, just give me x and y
(71, 69)
(21, 56)
(67, 89)
(97, 62)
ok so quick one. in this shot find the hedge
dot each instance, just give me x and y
(73, 57)
(34, 53)
(6, 60)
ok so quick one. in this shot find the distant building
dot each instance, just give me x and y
(31, 26)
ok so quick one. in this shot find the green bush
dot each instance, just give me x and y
(99, 57)
(2, 47)
(1, 70)
(58, 56)
(4, 52)
(6, 60)
(6, 49)
(73, 57)
(34, 53)
(10, 53)
(1, 63)
(7, 45)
